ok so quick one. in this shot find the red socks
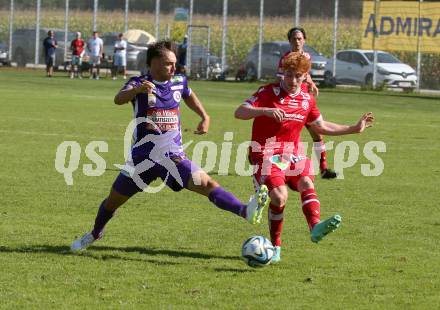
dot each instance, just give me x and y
(311, 207)
(319, 149)
(276, 220)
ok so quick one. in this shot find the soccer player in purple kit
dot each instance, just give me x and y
(157, 149)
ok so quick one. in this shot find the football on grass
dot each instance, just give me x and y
(257, 251)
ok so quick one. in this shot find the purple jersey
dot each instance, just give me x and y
(157, 116)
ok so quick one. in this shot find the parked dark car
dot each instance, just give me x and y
(206, 65)
(4, 54)
(23, 46)
(271, 54)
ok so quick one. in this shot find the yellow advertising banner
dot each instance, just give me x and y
(398, 25)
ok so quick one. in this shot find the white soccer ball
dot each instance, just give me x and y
(257, 251)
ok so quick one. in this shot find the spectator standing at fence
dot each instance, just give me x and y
(77, 46)
(50, 45)
(120, 57)
(96, 48)
(181, 56)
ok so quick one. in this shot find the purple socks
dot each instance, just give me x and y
(102, 218)
(226, 201)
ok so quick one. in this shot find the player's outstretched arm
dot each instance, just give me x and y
(194, 104)
(332, 129)
(127, 94)
(246, 112)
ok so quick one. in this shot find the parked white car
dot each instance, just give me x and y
(356, 67)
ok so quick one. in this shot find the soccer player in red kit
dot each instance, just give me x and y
(297, 39)
(279, 112)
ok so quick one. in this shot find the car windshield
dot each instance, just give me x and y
(383, 58)
(109, 39)
(59, 36)
(310, 50)
(285, 48)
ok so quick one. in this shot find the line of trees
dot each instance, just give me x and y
(309, 8)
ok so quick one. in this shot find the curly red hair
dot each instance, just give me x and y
(296, 61)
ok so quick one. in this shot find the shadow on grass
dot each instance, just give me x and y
(171, 253)
(65, 251)
(93, 252)
(233, 270)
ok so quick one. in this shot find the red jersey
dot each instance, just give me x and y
(77, 47)
(284, 137)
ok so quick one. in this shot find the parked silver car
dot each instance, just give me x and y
(356, 67)
(271, 54)
(23, 46)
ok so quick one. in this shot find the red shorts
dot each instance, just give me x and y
(275, 174)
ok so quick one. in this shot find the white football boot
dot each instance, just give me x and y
(82, 243)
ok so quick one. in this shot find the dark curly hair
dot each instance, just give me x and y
(296, 29)
(159, 49)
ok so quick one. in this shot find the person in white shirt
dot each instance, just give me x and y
(120, 57)
(95, 47)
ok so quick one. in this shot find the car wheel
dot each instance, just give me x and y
(251, 73)
(20, 58)
(369, 80)
(329, 80)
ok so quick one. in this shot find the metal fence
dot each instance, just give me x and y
(231, 36)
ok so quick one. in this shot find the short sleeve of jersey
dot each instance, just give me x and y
(132, 83)
(314, 113)
(255, 99)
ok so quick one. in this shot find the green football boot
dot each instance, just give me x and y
(323, 228)
(276, 258)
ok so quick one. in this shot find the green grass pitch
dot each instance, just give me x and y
(176, 250)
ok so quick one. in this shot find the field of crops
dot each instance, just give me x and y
(242, 33)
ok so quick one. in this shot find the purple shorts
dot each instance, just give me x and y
(175, 174)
